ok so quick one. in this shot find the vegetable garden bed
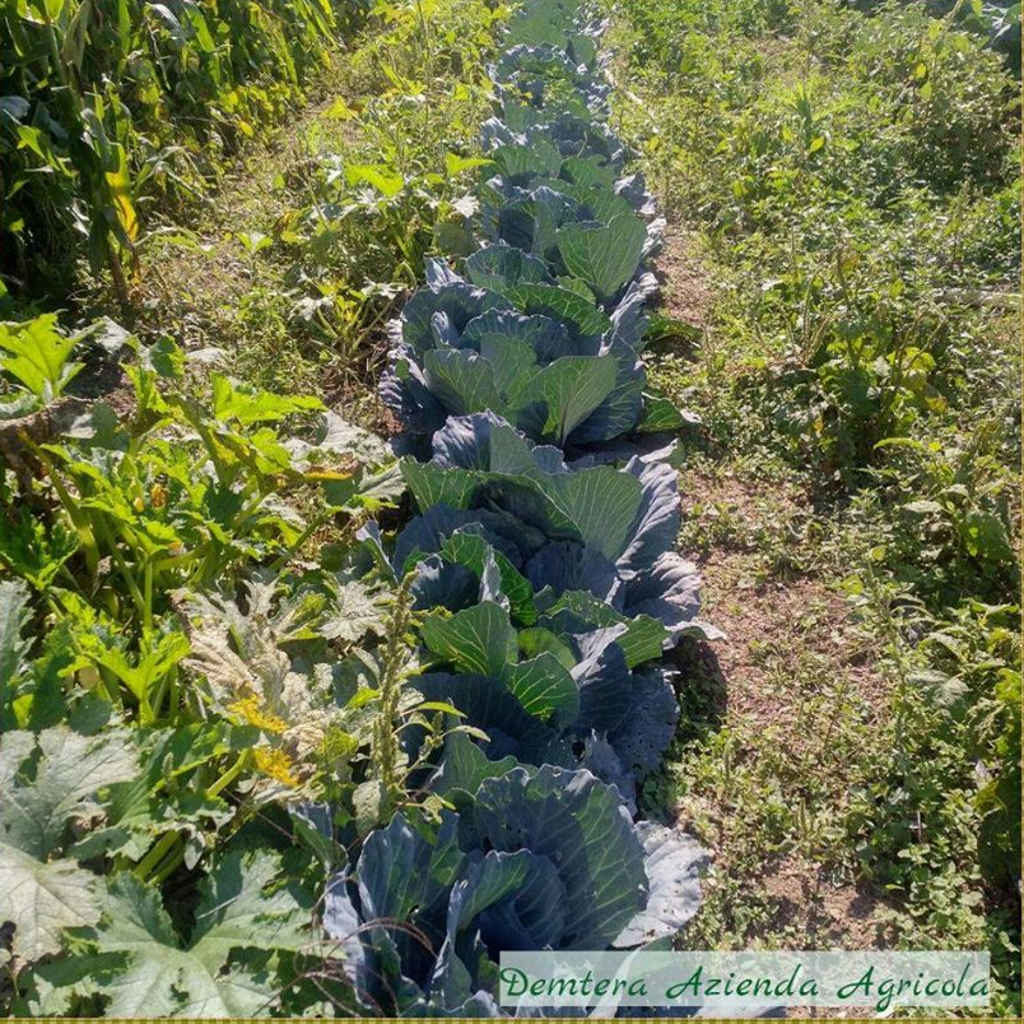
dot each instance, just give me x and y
(297, 721)
(448, 727)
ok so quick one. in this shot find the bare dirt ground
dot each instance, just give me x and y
(686, 290)
(794, 672)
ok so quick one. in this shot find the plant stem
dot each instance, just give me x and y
(147, 610)
(170, 865)
(117, 275)
(229, 776)
(108, 535)
(173, 697)
(385, 735)
(155, 855)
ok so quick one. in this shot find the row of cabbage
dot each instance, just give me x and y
(548, 514)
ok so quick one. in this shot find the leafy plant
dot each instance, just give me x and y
(236, 959)
(270, 716)
(37, 357)
(373, 209)
(49, 781)
(489, 878)
(843, 353)
(554, 696)
(555, 576)
(527, 350)
(81, 156)
(597, 529)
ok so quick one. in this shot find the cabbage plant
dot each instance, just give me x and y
(531, 859)
(604, 531)
(550, 697)
(513, 342)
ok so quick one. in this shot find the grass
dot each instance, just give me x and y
(838, 796)
(845, 273)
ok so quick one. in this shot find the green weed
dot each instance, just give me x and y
(852, 187)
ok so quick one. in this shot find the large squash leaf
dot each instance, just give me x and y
(14, 614)
(71, 768)
(42, 899)
(39, 894)
(164, 978)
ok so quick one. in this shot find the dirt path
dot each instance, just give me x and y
(788, 700)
